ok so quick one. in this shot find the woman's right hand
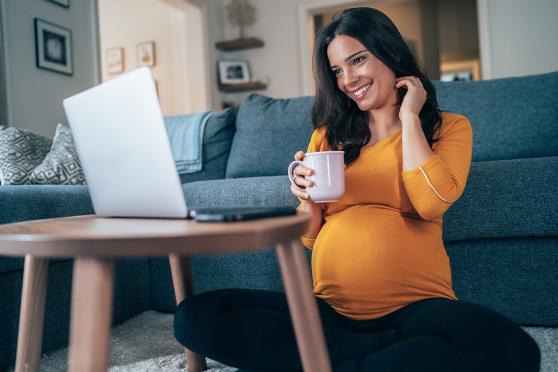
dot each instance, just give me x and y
(299, 174)
(315, 209)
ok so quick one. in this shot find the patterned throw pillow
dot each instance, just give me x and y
(20, 152)
(61, 165)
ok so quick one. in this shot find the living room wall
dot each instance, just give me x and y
(520, 36)
(34, 96)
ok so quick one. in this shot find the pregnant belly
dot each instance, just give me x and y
(369, 261)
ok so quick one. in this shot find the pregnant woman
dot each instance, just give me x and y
(382, 278)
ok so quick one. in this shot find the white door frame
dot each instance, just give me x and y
(305, 11)
(483, 15)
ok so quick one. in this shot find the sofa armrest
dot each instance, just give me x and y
(34, 202)
(506, 198)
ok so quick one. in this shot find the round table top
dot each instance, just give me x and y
(114, 237)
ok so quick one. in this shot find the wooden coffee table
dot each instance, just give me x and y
(96, 242)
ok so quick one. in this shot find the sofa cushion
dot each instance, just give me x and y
(20, 152)
(240, 192)
(268, 133)
(61, 165)
(504, 199)
(512, 118)
(217, 139)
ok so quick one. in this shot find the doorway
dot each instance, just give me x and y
(173, 33)
(443, 34)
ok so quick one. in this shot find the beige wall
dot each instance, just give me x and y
(278, 61)
(176, 29)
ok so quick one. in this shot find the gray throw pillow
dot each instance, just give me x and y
(268, 133)
(61, 165)
(20, 152)
(217, 139)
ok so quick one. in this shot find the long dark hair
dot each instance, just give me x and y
(347, 126)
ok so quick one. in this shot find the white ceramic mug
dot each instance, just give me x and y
(328, 177)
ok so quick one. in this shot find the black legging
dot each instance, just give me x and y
(252, 329)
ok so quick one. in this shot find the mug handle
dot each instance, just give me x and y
(290, 173)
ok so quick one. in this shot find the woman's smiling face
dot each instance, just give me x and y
(360, 75)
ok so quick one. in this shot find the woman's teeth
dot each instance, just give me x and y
(359, 93)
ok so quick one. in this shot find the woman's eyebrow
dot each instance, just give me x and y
(351, 56)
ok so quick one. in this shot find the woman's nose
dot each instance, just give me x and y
(350, 77)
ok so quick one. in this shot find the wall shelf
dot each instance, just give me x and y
(238, 44)
(241, 87)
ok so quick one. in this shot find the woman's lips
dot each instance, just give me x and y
(361, 92)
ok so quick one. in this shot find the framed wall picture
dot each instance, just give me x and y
(53, 47)
(115, 61)
(146, 54)
(233, 72)
(63, 3)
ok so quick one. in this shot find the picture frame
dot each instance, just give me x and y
(146, 54)
(115, 61)
(465, 70)
(233, 72)
(53, 47)
(62, 3)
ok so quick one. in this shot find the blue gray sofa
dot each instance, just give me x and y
(501, 236)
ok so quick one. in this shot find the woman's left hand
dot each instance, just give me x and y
(414, 98)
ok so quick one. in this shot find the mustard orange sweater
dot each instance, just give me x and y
(380, 247)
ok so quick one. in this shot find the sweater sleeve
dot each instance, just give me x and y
(435, 185)
(317, 143)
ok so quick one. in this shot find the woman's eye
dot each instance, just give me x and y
(336, 72)
(358, 60)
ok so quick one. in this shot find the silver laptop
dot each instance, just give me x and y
(124, 150)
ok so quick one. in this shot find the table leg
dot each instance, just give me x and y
(32, 314)
(302, 305)
(183, 283)
(92, 291)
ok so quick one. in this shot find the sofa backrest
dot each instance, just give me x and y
(512, 118)
(268, 133)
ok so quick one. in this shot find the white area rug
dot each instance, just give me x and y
(146, 343)
(143, 343)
